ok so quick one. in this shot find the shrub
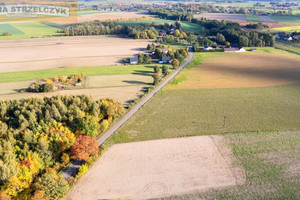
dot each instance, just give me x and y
(156, 78)
(82, 170)
(39, 195)
(54, 186)
(65, 159)
(156, 69)
(84, 147)
(48, 87)
(165, 70)
(175, 63)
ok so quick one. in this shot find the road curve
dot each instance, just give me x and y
(76, 164)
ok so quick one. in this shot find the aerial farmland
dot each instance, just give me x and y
(149, 100)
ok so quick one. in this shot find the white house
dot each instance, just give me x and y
(207, 48)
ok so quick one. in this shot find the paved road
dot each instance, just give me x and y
(75, 165)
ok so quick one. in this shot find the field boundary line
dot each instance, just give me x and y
(76, 164)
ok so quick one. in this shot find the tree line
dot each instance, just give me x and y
(109, 28)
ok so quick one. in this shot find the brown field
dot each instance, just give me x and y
(111, 16)
(158, 168)
(123, 88)
(237, 70)
(42, 53)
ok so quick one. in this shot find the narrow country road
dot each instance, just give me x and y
(75, 165)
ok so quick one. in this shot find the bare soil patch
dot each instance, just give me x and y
(38, 54)
(111, 16)
(237, 70)
(158, 168)
(122, 94)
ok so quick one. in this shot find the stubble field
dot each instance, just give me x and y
(159, 168)
(250, 69)
(39, 54)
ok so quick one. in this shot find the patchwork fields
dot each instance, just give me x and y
(245, 18)
(22, 30)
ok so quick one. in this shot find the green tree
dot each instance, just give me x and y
(175, 63)
(165, 70)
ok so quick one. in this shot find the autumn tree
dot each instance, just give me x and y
(84, 147)
(175, 63)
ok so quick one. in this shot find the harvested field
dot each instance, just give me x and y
(221, 16)
(159, 168)
(108, 16)
(121, 94)
(250, 69)
(38, 54)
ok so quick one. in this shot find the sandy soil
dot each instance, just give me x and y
(41, 53)
(121, 94)
(158, 168)
(236, 70)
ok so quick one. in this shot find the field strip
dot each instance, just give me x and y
(28, 61)
(159, 168)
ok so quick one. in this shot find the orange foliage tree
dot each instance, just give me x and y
(84, 147)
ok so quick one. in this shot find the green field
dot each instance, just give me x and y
(287, 29)
(186, 26)
(288, 48)
(89, 12)
(9, 29)
(87, 71)
(253, 18)
(180, 113)
(286, 19)
(31, 30)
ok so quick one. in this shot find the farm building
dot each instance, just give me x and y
(284, 37)
(134, 60)
(234, 49)
(165, 60)
(207, 48)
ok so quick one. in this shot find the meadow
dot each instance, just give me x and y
(253, 18)
(86, 71)
(28, 30)
(286, 19)
(288, 48)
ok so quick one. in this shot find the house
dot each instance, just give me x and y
(134, 60)
(165, 60)
(284, 37)
(165, 50)
(296, 37)
(234, 49)
(207, 48)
